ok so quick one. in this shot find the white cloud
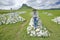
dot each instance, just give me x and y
(37, 4)
(8, 4)
(43, 4)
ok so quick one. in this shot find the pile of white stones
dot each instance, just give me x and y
(10, 18)
(47, 13)
(56, 20)
(39, 32)
(22, 12)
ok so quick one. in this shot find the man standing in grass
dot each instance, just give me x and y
(35, 18)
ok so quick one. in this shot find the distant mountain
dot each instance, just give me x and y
(24, 6)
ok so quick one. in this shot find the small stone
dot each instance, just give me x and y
(38, 34)
(31, 34)
(49, 14)
(37, 30)
(29, 28)
(28, 32)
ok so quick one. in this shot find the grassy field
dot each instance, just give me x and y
(17, 31)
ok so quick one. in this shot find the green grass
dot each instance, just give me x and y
(17, 31)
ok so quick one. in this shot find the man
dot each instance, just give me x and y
(35, 18)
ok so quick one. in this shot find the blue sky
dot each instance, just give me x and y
(57, 3)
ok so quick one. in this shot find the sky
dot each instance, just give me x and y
(36, 4)
(44, 4)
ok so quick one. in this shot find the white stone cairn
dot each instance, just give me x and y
(10, 18)
(47, 13)
(56, 20)
(40, 31)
